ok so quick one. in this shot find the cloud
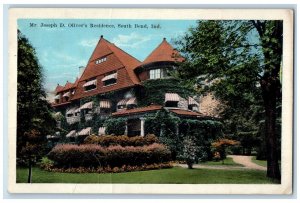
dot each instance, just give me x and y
(88, 42)
(132, 40)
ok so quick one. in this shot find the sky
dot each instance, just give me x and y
(62, 45)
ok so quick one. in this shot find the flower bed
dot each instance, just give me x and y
(108, 169)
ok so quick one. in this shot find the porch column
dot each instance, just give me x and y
(126, 128)
(177, 129)
(142, 126)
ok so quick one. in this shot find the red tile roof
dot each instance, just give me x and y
(137, 110)
(164, 52)
(59, 104)
(68, 86)
(75, 83)
(183, 112)
(59, 88)
(117, 60)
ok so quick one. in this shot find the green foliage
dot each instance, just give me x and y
(164, 125)
(204, 132)
(122, 140)
(154, 91)
(171, 131)
(240, 62)
(46, 163)
(115, 126)
(34, 117)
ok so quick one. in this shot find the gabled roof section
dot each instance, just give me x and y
(164, 52)
(59, 88)
(116, 59)
(68, 86)
(75, 83)
(101, 49)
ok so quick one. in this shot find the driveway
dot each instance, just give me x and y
(246, 162)
(243, 160)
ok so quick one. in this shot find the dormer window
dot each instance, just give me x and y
(90, 85)
(101, 60)
(110, 79)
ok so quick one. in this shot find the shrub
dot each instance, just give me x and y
(91, 155)
(46, 163)
(122, 140)
(189, 151)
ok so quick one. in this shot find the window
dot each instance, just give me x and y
(155, 74)
(90, 85)
(110, 79)
(101, 60)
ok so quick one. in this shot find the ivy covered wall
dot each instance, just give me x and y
(153, 91)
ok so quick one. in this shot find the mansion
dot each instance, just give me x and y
(111, 86)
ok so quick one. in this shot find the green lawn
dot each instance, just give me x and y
(173, 175)
(259, 162)
(227, 162)
(262, 162)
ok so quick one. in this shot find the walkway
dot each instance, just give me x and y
(243, 160)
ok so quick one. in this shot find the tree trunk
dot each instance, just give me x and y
(29, 171)
(269, 91)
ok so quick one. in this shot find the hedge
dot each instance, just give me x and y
(123, 140)
(92, 155)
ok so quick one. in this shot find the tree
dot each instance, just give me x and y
(221, 145)
(34, 118)
(240, 61)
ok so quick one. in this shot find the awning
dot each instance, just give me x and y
(88, 105)
(91, 82)
(67, 94)
(77, 110)
(57, 96)
(171, 97)
(71, 111)
(109, 77)
(105, 104)
(122, 102)
(85, 131)
(101, 131)
(71, 133)
(192, 101)
(131, 101)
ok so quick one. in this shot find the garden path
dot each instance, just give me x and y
(247, 162)
(243, 160)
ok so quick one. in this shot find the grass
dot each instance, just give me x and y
(227, 162)
(262, 162)
(174, 175)
(259, 162)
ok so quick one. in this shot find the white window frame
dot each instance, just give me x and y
(155, 73)
(98, 61)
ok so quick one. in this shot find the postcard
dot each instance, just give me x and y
(150, 101)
